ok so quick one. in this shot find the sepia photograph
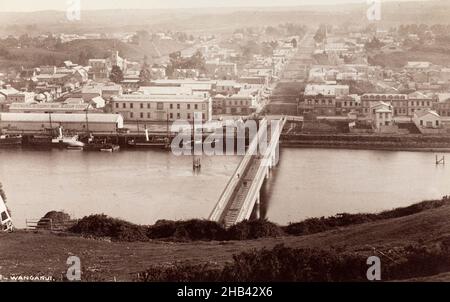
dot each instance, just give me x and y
(211, 142)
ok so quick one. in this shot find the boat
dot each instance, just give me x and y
(10, 140)
(154, 142)
(101, 146)
(110, 148)
(69, 142)
(65, 141)
(39, 141)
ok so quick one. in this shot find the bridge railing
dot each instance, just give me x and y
(233, 182)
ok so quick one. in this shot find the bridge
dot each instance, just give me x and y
(242, 192)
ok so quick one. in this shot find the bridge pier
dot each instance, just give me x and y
(257, 208)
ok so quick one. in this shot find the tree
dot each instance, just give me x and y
(374, 44)
(294, 43)
(116, 74)
(145, 75)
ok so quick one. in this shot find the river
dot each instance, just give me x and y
(144, 186)
(323, 182)
(139, 186)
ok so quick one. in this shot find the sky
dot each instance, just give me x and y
(36, 5)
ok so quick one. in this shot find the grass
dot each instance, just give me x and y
(41, 252)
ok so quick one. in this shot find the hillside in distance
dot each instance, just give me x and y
(215, 19)
(79, 51)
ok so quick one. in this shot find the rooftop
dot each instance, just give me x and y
(160, 98)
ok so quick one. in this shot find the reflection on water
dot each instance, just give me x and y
(323, 182)
(140, 186)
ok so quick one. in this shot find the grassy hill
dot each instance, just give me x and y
(44, 253)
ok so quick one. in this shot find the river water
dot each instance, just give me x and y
(139, 186)
(323, 182)
(144, 186)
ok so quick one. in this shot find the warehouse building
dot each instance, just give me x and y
(93, 122)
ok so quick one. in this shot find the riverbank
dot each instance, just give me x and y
(44, 253)
(411, 143)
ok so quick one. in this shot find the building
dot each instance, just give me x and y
(442, 106)
(419, 101)
(237, 104)
(99, 70)
(221, 70)
(326, 90)
(93, 122)
(200, 88)
(10, 95)
(383, 116)
(321, 99)
(398, 101)
(165, 90)
(106, 91)
(427, 121)
(417, 66)
(154, 108)
(47, 108)
(21, 97)
(185, 73)
(227, 87)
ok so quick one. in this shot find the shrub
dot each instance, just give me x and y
(284, 264)
(254, 229)
(56, 217)
(322, 224)
(182, 272)
(279, 264)
(187, 230)
(104, 226)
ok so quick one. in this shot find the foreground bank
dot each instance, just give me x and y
(414, 236)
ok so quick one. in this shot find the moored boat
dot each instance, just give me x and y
(10, 140)
(70, 142)
(153, 142)
(101, 146)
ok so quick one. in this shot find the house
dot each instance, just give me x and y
(417, 66)
(427, 121)
(185, 74)
(382, 116)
